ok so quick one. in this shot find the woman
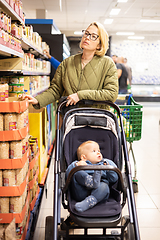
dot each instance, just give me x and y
(87, 75)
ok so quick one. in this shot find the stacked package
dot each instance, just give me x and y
(14, 164)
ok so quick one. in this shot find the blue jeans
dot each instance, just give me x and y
(80, 191)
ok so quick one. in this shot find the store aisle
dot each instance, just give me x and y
(147, 154)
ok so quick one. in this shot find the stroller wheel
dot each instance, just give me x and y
(129, 231)
(49, 228)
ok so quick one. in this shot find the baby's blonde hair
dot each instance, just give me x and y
(80, 149)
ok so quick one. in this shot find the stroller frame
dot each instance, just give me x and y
(129, 224)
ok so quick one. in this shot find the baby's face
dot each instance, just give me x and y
(92, 153)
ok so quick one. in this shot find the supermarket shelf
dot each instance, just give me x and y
(10, 11)
(24, 72)
(35, 94)
(26, 45)
(6, 51)
(145, 98)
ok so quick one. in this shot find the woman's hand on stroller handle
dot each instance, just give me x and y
(72, 99)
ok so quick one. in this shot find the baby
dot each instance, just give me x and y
(88, 186)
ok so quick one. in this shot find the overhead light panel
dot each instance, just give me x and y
(125, 33)
(136, 37)
(124, 1)
(115, 11)
(78, 32)
(150, 20)
(108, 21)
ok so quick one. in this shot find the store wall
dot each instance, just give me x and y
(143, 57)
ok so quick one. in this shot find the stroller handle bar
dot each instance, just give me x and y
(97, 167)
(64, 100)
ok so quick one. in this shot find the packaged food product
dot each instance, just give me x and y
(19, 230)
(1, 231)
(31, 175)
(17, 87)
(15, 204)
(4, 150)
(0, 178)
(24, 195)
(26, 116)
(25, 169)
(8, 177)
(19, 176)
(2, 92)
(15, 149)
(10, 231)
(15, 94)
(21, 120)
(4, 204)
(6, 91)
(14, 80)
(30, 196)
(21, 80)
(23, 146)
(10, 121)
(1, 122)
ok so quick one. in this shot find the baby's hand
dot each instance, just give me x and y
(81, 163)
(106, 163)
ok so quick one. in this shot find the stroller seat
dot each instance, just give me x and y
(98, 126)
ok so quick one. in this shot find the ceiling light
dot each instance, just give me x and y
(115, 11)
(150, 20)
(122, 1)
(108, 21)
(78, 32)
(136, 37)
(125, 33)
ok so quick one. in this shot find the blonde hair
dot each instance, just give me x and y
(80, 149)
(103, 37)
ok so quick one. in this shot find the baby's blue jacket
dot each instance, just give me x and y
(107, 176)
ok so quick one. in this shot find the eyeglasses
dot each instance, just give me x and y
(92, 36)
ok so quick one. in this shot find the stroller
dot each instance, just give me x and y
(81, 123)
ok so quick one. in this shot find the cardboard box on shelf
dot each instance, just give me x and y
(38, 129)
(8, 217)
(16, 134)
(14, 104)
(14, 163)
(11, 64)
(14, 190)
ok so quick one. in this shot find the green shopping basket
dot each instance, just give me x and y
(132, 120)
(132, 124)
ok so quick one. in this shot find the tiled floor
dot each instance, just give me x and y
(147, 154)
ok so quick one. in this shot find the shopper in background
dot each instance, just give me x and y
(54, 62)
(87, 75)
(122, 75)
(129, 70)
(114, 58)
